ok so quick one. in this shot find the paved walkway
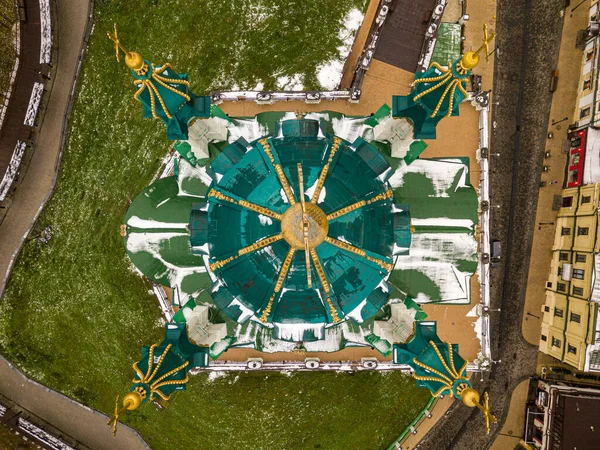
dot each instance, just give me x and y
(81, 423)
(13, 128)
(563, 104)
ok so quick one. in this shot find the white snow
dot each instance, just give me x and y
(311, 190)
(441, 173)
(46, 32)
(349, 129)
(249, 129)
(12, 169)
(295, 331)
(136, 222)
(293, 83)
(435, 255)
(264, 220)
(34, 104)
(330, 73)
(151, 243)
(214, 375)
(355, 313)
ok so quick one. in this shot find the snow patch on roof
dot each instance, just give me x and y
(136, 222)
(441, 173)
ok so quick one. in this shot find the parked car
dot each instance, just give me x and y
(495, 253)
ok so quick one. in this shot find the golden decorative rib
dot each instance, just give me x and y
(432, 370)
(325, 170)
(354, 206)
(279, 284)
(325, 284)
(246, 204)
(451, 356)
(280, 174)
(450, 86)
(249, 249)
(442, 360)
(260, 244)
(357, 251)
(345, 210)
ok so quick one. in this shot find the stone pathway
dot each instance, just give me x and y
(81, 423)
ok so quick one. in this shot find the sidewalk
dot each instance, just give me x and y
(563, 105)
(81, 423)
(13, 128)
(36, 183)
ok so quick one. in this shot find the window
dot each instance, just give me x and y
(587, 84)
(558, 312)
(577, 291)
(571, 349)
(578, 273)
(575, 318)
(546, 309)
(562, 287)
(580, 257)
(589, 55)
(565, 231)
(586, 199)
(559, 271)
(567, 202)
(562, 256)
(584, 113)
(544, 338)
(549, 284)
(582, 231)
(555, 342)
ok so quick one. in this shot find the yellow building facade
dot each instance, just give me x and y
(570, 332)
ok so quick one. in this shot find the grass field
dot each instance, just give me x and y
(74, 314)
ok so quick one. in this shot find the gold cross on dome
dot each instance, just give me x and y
(115, 38)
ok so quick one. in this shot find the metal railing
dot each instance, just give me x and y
(412, 428)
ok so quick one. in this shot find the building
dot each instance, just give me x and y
(570, 327)
(563, 417)
(587, 112)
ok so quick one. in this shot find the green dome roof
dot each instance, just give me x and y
(251, 229)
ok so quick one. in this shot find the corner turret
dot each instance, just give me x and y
(164, 93)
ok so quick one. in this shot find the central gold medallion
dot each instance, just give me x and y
(292, 225)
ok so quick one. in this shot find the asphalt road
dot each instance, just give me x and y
(529, 33)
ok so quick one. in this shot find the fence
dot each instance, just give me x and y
(411, 429)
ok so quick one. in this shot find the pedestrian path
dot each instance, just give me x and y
(81, 423)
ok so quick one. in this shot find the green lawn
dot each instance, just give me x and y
(75, 314)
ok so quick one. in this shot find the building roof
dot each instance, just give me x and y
(579, 423)
(256, 243)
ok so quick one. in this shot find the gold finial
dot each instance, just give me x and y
(131, 401)
(470, 397)
(471, 59)
(133, 59)
(134, 398)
